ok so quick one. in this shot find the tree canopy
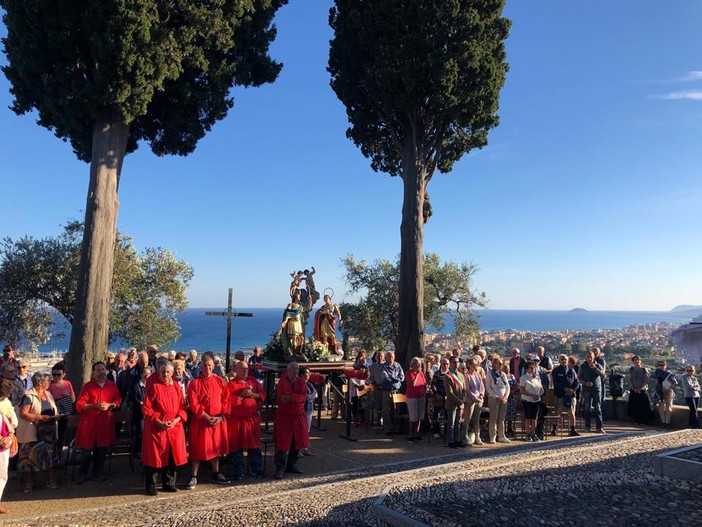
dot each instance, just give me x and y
(373, 320)
(163, 68)
(38, 278)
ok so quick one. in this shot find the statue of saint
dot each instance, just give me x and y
(292, 327)
(325, 323)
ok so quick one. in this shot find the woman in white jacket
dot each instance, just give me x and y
(531, 390)
(497, 391)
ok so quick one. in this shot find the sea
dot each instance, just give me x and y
(208, 333)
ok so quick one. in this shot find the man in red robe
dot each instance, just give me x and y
(244, 422)
(96, 428)
(290, 430)
(163, 440)
(207, 398)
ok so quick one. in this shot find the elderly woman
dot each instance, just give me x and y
(475, 396)
(37, 432)
(497, 389)
(531, 390)
(181, 375)
(416, 398)
(665, 388)
(8, 423)
(639, 406)
(691, 387)
(64, 397)
(163, 440)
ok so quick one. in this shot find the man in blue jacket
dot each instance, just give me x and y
(565, 384)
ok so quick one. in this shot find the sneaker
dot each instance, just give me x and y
(192, 483)
(503, 440)
(478, 441)
(220, 479)
(541, 436)
(573, 433)
(151, 490)
(436, 435)
(279, 473)
(601, 431)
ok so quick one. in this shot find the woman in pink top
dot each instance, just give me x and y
(416, 390)
(64, 396)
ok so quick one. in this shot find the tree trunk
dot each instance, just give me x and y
(89, 335)
(411, 295)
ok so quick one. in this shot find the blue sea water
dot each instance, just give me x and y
(204, 333)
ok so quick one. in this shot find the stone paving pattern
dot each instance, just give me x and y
(615, 471)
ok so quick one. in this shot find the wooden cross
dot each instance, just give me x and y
(229, 314)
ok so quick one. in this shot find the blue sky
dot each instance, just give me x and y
(587, 195)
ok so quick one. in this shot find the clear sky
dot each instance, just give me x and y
(588, 194)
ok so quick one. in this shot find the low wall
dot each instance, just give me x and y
(679, 418)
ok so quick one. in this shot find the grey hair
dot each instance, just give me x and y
(40, 377)
(415, 360)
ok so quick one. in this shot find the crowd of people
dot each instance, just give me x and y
(186, 410)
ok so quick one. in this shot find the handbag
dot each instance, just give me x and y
(667, 383)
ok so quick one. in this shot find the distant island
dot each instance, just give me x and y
(578, 310)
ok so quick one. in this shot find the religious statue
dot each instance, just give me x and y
(313, 294)
(325, 323)
(292, 327)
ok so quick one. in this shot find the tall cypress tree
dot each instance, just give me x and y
(106, 75)
(420, 80)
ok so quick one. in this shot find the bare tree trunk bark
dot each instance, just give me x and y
(411, 295)
(89, 335)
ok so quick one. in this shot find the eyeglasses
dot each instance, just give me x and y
(56, 374)
(23, 367)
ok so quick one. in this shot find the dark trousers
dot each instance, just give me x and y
(542, 411)
(694, 420)
(591, 403)
(169, 474)
(255, 461)
(286, 460)
(97, 456)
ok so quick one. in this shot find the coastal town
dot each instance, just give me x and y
(651, 341)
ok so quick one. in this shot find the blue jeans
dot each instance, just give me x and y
(453, 422)
(255, 461)
(592, 399)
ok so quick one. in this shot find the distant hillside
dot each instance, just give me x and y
(685, 307)
(578, 310)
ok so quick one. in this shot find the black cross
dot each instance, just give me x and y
(229, 314)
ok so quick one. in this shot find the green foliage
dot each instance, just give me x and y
(163, 67)
(373, 319)
(275, 349)
(425, 72)
(40, 275)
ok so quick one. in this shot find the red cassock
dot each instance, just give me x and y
(207, 395)
(163, 402)
(244, 422)
(291, 419)
(96, 427)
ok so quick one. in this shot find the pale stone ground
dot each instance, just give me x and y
(490, 485)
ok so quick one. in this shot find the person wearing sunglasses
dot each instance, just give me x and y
(23, 375)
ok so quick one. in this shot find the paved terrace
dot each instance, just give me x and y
(590, 481)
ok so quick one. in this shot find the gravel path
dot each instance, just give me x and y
(478, 487)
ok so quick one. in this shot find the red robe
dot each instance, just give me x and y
(244, 421)
(96, 428)
(207, 395)
(163, 402)
(291, 419)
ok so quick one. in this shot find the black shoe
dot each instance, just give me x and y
(540, 436)
(220, 479)
(452, 445)
(461, 445)
(293, 470)
(419, 439)
(238, 477)
(151, 490)
(573, 433)
(279, 473)
(169, 488)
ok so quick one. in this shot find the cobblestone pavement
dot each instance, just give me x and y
(362, 471)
